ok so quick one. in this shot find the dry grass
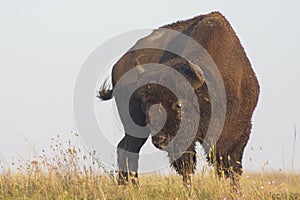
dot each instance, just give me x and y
(69, 174)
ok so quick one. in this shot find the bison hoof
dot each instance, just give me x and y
(125, 178)
(187, 180)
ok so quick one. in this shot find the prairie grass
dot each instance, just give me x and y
(69, 173)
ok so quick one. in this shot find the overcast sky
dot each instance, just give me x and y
(44, 44)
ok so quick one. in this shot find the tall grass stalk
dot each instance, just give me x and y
(70, 173)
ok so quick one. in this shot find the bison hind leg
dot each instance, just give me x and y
(227, 165)
(128, 156)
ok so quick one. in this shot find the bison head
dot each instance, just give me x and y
(162, 108)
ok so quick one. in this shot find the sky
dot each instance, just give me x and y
(43, 46)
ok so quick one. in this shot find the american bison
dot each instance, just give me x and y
(215, 34)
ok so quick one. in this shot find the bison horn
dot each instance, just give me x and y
(198, 81)
(139, 66)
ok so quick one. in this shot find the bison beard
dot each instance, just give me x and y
(218, 38)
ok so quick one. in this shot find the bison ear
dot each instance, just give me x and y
(192, 73)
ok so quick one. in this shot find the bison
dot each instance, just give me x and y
(220, 43)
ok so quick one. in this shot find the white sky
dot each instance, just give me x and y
(43, 45)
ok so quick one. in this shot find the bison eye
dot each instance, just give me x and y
(178, 105)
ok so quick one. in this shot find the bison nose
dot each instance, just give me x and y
(158, 141)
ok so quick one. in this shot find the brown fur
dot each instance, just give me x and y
(216, 35)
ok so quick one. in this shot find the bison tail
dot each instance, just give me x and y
(104, 92)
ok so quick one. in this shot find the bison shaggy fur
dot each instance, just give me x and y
(218, 38)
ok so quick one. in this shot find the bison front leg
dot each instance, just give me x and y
(128, 156)
(185, 165)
